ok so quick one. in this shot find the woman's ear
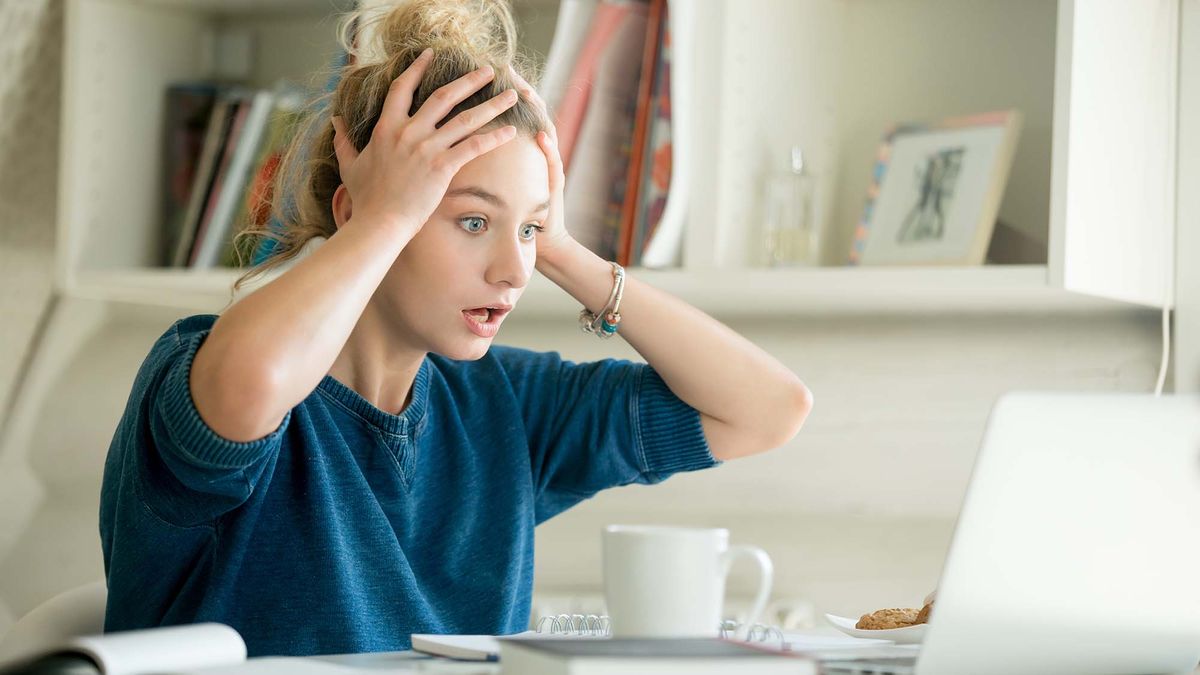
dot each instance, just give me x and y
(342, 207)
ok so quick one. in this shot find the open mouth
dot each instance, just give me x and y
(485, 315)
(485, 321)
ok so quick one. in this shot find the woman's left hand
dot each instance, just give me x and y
(554, 237)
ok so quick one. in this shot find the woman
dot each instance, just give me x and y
(342, 458)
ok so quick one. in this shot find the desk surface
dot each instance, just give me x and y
(358, 664)
(384, 662)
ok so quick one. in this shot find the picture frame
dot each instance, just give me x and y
(935, 191)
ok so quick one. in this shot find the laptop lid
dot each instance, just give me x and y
(1077, 549)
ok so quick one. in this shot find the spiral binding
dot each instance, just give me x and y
(593, 625)
(759, 632)
(575, 624)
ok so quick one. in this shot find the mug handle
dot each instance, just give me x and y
(766, 573)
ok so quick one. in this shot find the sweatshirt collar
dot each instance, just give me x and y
(399, 425)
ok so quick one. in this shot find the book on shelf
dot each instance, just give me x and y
(189, 108)
(240, 149)
(648, 656)
(612, 109)
(641, 125)
(655, 172)
(202, 179)
(136, 652)
(231, 174)
(254, 204)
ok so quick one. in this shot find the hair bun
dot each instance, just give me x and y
(480, 31)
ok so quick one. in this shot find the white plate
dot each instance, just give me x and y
(902, 636)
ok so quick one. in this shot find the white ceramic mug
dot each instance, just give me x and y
(670, 581)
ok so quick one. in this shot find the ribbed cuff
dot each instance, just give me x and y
(669, 430)
(194, 440)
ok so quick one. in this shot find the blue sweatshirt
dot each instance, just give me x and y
(348, 529)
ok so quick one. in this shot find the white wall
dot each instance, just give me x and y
(29, 99)
(857, 511)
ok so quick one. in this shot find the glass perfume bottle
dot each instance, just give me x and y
(791, 234)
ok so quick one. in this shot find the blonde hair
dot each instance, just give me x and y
(382, 42)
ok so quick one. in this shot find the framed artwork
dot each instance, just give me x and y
(935, 191)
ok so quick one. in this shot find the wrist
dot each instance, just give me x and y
(555, 258)
(394, 229)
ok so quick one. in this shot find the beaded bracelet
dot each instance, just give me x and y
(604, 323)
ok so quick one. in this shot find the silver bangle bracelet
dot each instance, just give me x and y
(604, 323)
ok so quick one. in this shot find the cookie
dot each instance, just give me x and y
(888, 618)
(923, 615)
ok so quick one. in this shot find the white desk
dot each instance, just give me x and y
(354, 664)
(363, 664)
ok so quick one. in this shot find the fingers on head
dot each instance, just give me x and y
(469, 121)
(479, 144)
(443, 100)
(403, 87)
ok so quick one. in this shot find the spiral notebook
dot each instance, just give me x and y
(487, 647)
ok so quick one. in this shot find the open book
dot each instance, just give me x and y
(137, 652)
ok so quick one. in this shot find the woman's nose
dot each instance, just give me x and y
(511, 262)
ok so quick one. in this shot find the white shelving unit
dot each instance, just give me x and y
(746, 294)
(1107, 184)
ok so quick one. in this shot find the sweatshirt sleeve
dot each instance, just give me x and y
(183, 470)
(600, 424)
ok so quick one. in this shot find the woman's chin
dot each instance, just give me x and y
(473, 351)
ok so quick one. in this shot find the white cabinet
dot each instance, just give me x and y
(1113, 184)
(1090, 198)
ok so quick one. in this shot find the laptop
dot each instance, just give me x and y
(1077, 548)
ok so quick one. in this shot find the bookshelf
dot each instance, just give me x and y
(751, 293)
(1101, 237)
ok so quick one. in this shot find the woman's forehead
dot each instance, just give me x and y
(515, 173)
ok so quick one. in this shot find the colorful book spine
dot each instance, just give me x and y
(241, 108)
(210, 156)
(656, 170)
(189, 108)
(642, 120)
(252, 119)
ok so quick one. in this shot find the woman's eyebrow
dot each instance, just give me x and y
(494, 200)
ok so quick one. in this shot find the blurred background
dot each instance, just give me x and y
(784, 120)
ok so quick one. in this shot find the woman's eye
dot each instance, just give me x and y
(472, 223)
(529, 231)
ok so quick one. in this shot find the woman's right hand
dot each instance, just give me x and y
(401, 175)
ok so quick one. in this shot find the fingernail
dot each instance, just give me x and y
(486, 70)
(510, 95)
(428, 51)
